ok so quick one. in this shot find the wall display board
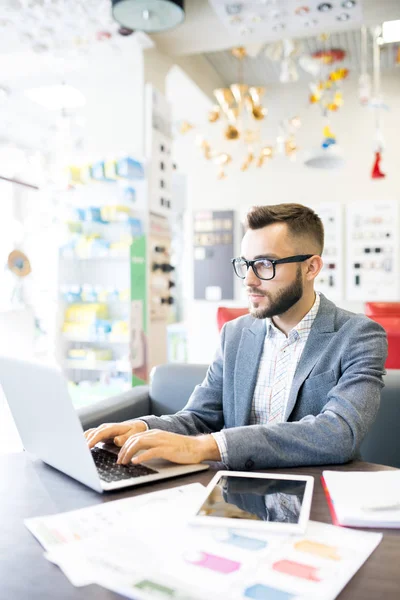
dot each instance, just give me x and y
(158, 151)
(152, 274)
(213, 250)
(152, 277)
(372, 251)
(330, 281)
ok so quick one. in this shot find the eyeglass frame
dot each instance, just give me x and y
(273, 261)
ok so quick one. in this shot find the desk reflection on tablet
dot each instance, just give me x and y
(276, 500)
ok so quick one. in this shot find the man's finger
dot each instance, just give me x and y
(135, 443)
(88, 432)
(105, 432)
(148, 455)
(121, 439)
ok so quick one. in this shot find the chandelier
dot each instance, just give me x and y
(241, 115)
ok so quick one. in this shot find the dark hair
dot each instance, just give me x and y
(300, 220)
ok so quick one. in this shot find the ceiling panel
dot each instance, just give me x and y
(261, 70)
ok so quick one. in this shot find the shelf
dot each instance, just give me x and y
(113, 301)
(96, 340)
(106, 257)
(100, 365)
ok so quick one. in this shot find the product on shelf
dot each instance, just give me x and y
(106, 171)
(90, 354)
(90, 293)
(86, 313)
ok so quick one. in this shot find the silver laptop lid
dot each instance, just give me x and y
(46, 420)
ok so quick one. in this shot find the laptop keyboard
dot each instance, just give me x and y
(106, 464)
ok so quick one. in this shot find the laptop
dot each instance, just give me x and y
(50, 429)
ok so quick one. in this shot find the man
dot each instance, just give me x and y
(295, 382)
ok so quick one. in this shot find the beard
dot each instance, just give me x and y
(284, 300)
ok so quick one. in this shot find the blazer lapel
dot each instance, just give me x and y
(246, 370)
(322, 331)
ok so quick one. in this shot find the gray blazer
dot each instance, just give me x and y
(333, 400)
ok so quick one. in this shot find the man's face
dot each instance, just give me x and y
(275, 296)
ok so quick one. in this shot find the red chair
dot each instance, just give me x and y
(228, 313)
(387, 314)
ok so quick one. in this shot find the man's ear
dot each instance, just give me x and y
(314, 266)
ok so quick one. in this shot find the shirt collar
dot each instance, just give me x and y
(303, 327)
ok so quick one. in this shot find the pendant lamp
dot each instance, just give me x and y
(325, 158)
(148, 15)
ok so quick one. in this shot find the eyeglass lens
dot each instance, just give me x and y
(263, 268)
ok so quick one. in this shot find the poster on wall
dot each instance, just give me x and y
(373, 251)
(331, 278)
(213, 250)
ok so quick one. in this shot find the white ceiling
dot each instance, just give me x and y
(260, 70)
(69, 29)
(203, 31)
(73, 26)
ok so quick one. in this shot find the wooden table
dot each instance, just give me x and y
(29, 488)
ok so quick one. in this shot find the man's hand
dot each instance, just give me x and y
(116, 432)
(181, 449)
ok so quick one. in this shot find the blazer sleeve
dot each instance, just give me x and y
(335, 434)
(203, 412)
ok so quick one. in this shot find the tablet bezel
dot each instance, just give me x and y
(271, 526)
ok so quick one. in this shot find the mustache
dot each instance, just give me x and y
(255, 291)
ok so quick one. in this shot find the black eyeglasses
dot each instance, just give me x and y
(264, 268)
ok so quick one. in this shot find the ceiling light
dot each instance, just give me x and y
(343, 17)
(148, 15)
(348, 3)
(325, 6)
(302, 11)
(391, 31)
(4, 92)
(234, 9)
(325, 158)
(56, 97)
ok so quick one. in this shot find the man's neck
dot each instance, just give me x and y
(294, 315)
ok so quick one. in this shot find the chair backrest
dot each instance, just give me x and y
(391, 325)
(382, 309)
(381, 445)
(228, 313)
(171, 386)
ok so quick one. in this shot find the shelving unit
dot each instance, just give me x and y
(95, 287)
(101, 365)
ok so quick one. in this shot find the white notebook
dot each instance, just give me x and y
(364, 499)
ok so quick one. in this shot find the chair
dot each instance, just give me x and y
(227, 313)
(387, 314)
(171, 385)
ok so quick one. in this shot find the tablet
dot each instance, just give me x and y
(280, 503)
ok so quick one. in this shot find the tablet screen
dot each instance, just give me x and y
(251, 498)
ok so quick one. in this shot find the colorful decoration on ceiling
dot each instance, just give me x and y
(326, 92)
(364, 81)
(376, 172)
(286, 52)
(241, 113)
